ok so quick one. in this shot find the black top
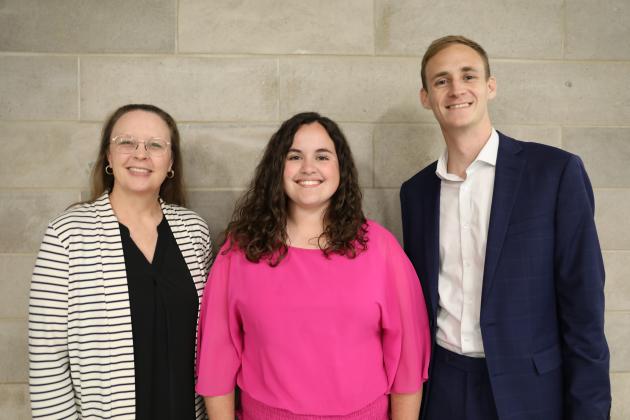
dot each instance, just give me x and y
(164, 303)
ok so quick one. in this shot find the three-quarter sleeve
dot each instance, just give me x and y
(220, 340)
(51, 390)
(406, 339)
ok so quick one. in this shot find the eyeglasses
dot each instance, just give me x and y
(126, 144)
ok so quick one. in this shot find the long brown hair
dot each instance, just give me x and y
(258, 225)
(171, 190)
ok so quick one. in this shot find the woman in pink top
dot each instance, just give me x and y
(312, 310)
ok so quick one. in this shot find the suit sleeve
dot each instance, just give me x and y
(51, 389)
(579, 273)
(404, 215)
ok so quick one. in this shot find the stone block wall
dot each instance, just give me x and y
(231, 71)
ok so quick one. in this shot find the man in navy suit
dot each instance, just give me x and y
(502, 236)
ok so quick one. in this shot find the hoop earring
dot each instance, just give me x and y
(170, 174)
(109, 170)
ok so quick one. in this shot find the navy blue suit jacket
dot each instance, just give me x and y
(542, 306)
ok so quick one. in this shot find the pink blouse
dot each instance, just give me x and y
(315, 335)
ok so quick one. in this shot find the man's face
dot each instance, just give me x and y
(457, 90)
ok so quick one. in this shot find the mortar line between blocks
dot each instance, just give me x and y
(79, 88)
(278, 81)
(177, 27)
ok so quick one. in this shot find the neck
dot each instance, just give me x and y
(304, 226)
(464, 145)
(134, 207)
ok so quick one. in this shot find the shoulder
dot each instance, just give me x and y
(229, 254)
(379, 234)
(384, 246)
(189, 217)
(81, 221)
(543, 162)
(536, 152)
(421, 177)
(78, 214)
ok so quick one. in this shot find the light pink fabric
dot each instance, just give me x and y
(315, 335)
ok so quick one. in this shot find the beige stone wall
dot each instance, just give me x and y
(230, 71)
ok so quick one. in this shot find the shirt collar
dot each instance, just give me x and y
(488, 154)
(490, 150)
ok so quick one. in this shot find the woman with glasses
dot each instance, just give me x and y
(312, 310)
(117, 284)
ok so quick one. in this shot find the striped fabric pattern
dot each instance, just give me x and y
(80, 336)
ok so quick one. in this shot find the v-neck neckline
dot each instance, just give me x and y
(156, 250)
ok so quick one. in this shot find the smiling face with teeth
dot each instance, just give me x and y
(458, 89)
(139, 172)
(311, 169)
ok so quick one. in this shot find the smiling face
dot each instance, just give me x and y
(139, 172)
(458, 89)
(311, 169)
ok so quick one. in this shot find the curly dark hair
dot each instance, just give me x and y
(258, 225)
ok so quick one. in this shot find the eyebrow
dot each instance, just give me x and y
(463, 69)
(440, 74)
(323, 150)
(469, 68)
(138, 138)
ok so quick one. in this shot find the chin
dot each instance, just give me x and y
(141, 190)
(311, 205)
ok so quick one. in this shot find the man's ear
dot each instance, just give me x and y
(492, 87)
(424, 98)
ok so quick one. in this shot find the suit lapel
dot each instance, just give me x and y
(508, 172)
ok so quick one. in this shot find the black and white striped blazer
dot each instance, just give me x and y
(80, 338)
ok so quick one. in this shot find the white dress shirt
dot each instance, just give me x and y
(464, 217)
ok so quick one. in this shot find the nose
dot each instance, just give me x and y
(456, 88)
(141, 151)
(307, 166)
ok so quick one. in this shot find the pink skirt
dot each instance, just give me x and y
(252, 409)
